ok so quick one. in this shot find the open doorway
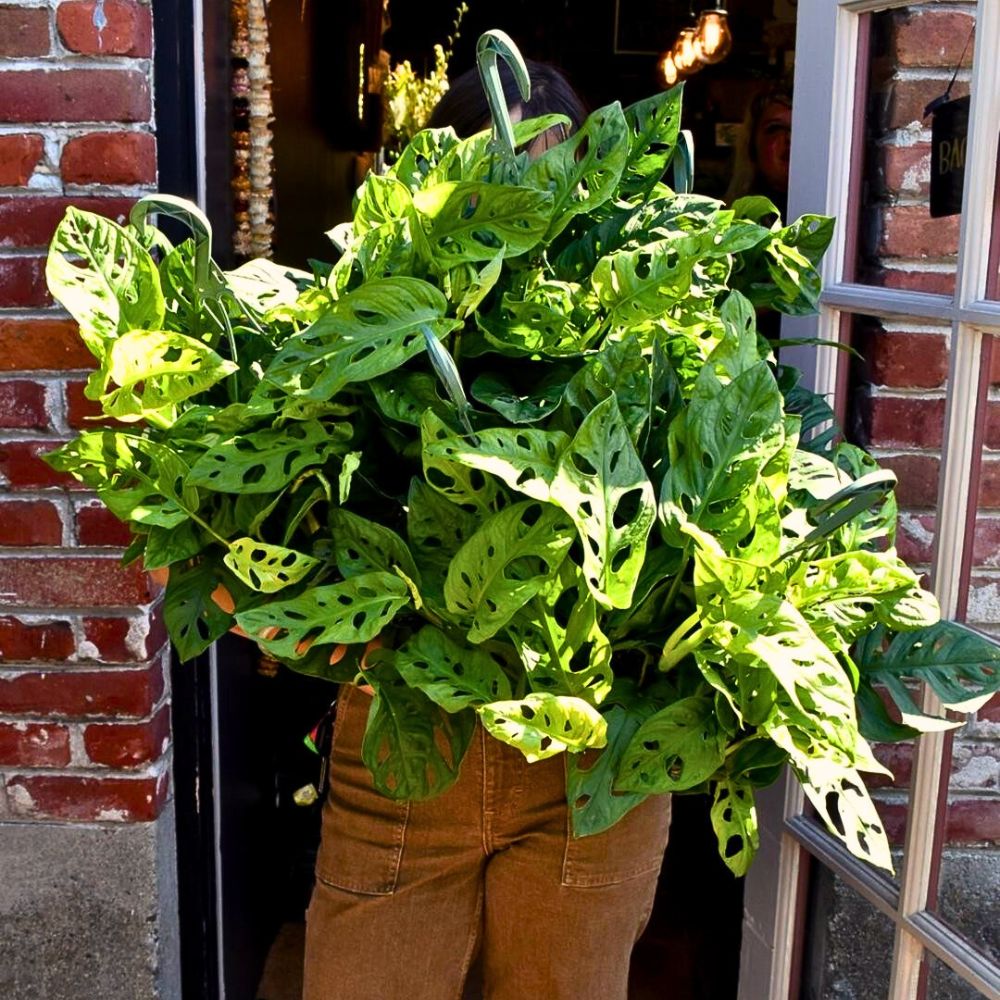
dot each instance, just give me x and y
(609, 49)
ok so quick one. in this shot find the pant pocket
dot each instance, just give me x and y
(361, 845)
(634, 846)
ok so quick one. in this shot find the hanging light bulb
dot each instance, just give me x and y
(713, 39)
(668, 69)
(685, 52)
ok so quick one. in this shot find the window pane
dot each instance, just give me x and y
(895, 410)
(944, 984)
(848, 950)
(903, 235)
(969, 879)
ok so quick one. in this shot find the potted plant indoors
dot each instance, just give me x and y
(525, 430)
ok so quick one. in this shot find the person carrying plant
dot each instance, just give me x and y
(408, 894)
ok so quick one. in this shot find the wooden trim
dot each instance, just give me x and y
(852, 214)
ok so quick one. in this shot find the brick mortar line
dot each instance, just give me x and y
(76, 190)
(891, 451)
(75, 60)
(9, 253)
(45, 375)
(903, 137)
(82, 721)
(21, 314)
(905, 392)
(26, 552)
(923, 266)
(126, 614)
(908, 74)
(73, 190)
(154, 769)
(67, 668)
(60, 130)
(53, 493)
(85, 611)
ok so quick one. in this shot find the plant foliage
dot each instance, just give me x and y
(528, 434)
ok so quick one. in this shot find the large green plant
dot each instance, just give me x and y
(526, 432)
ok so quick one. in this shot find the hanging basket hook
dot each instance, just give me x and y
(495, 44)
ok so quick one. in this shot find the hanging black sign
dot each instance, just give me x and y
(949, 139)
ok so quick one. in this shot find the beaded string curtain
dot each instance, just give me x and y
(253, 188)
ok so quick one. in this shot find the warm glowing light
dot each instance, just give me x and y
(713, 40)
(668, 69)
(685, 54)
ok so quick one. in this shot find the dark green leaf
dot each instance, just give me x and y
(679, 747)
(412, 748)
(453, 676)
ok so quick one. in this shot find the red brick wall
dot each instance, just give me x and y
(84, 713)
(898, 396)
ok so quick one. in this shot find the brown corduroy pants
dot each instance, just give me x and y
(407, 893)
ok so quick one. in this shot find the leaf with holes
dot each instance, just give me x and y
(766, 631)
(471, 221)
(602, 486)
(412, 747)
(131, 468)
(734, 820)
(677, 748)
(467, 488)
(529, 405)
(525, 459)
(840, 797)
(437, 529)
(104, 278)
(584, 171)
(718, 448)
(539, 319)
(635, 286)
(421, 155)
(370, 331)
(267, 568)
(653, 127)
(356, 610)
(381, 199)
(453, 676)
(595, 805)
(194, 621)
(361, 546)
(405, 396)
(504, 564)
(843, 595)
(559, 640)
(266, 461)
(542, 725)
(621, 370)
(960, 665)
(153, 370)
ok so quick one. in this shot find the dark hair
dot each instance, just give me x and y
(464, 106)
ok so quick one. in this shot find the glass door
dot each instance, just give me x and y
(895, 132)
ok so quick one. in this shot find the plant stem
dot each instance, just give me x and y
(677, 647)
(668, 604)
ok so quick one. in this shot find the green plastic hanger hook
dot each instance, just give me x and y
(188, 213)
(492, 45)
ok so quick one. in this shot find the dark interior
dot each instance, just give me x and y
(317, 137)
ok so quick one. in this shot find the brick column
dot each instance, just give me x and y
(87, 894)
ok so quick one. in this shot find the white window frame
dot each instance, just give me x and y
(823, 129)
